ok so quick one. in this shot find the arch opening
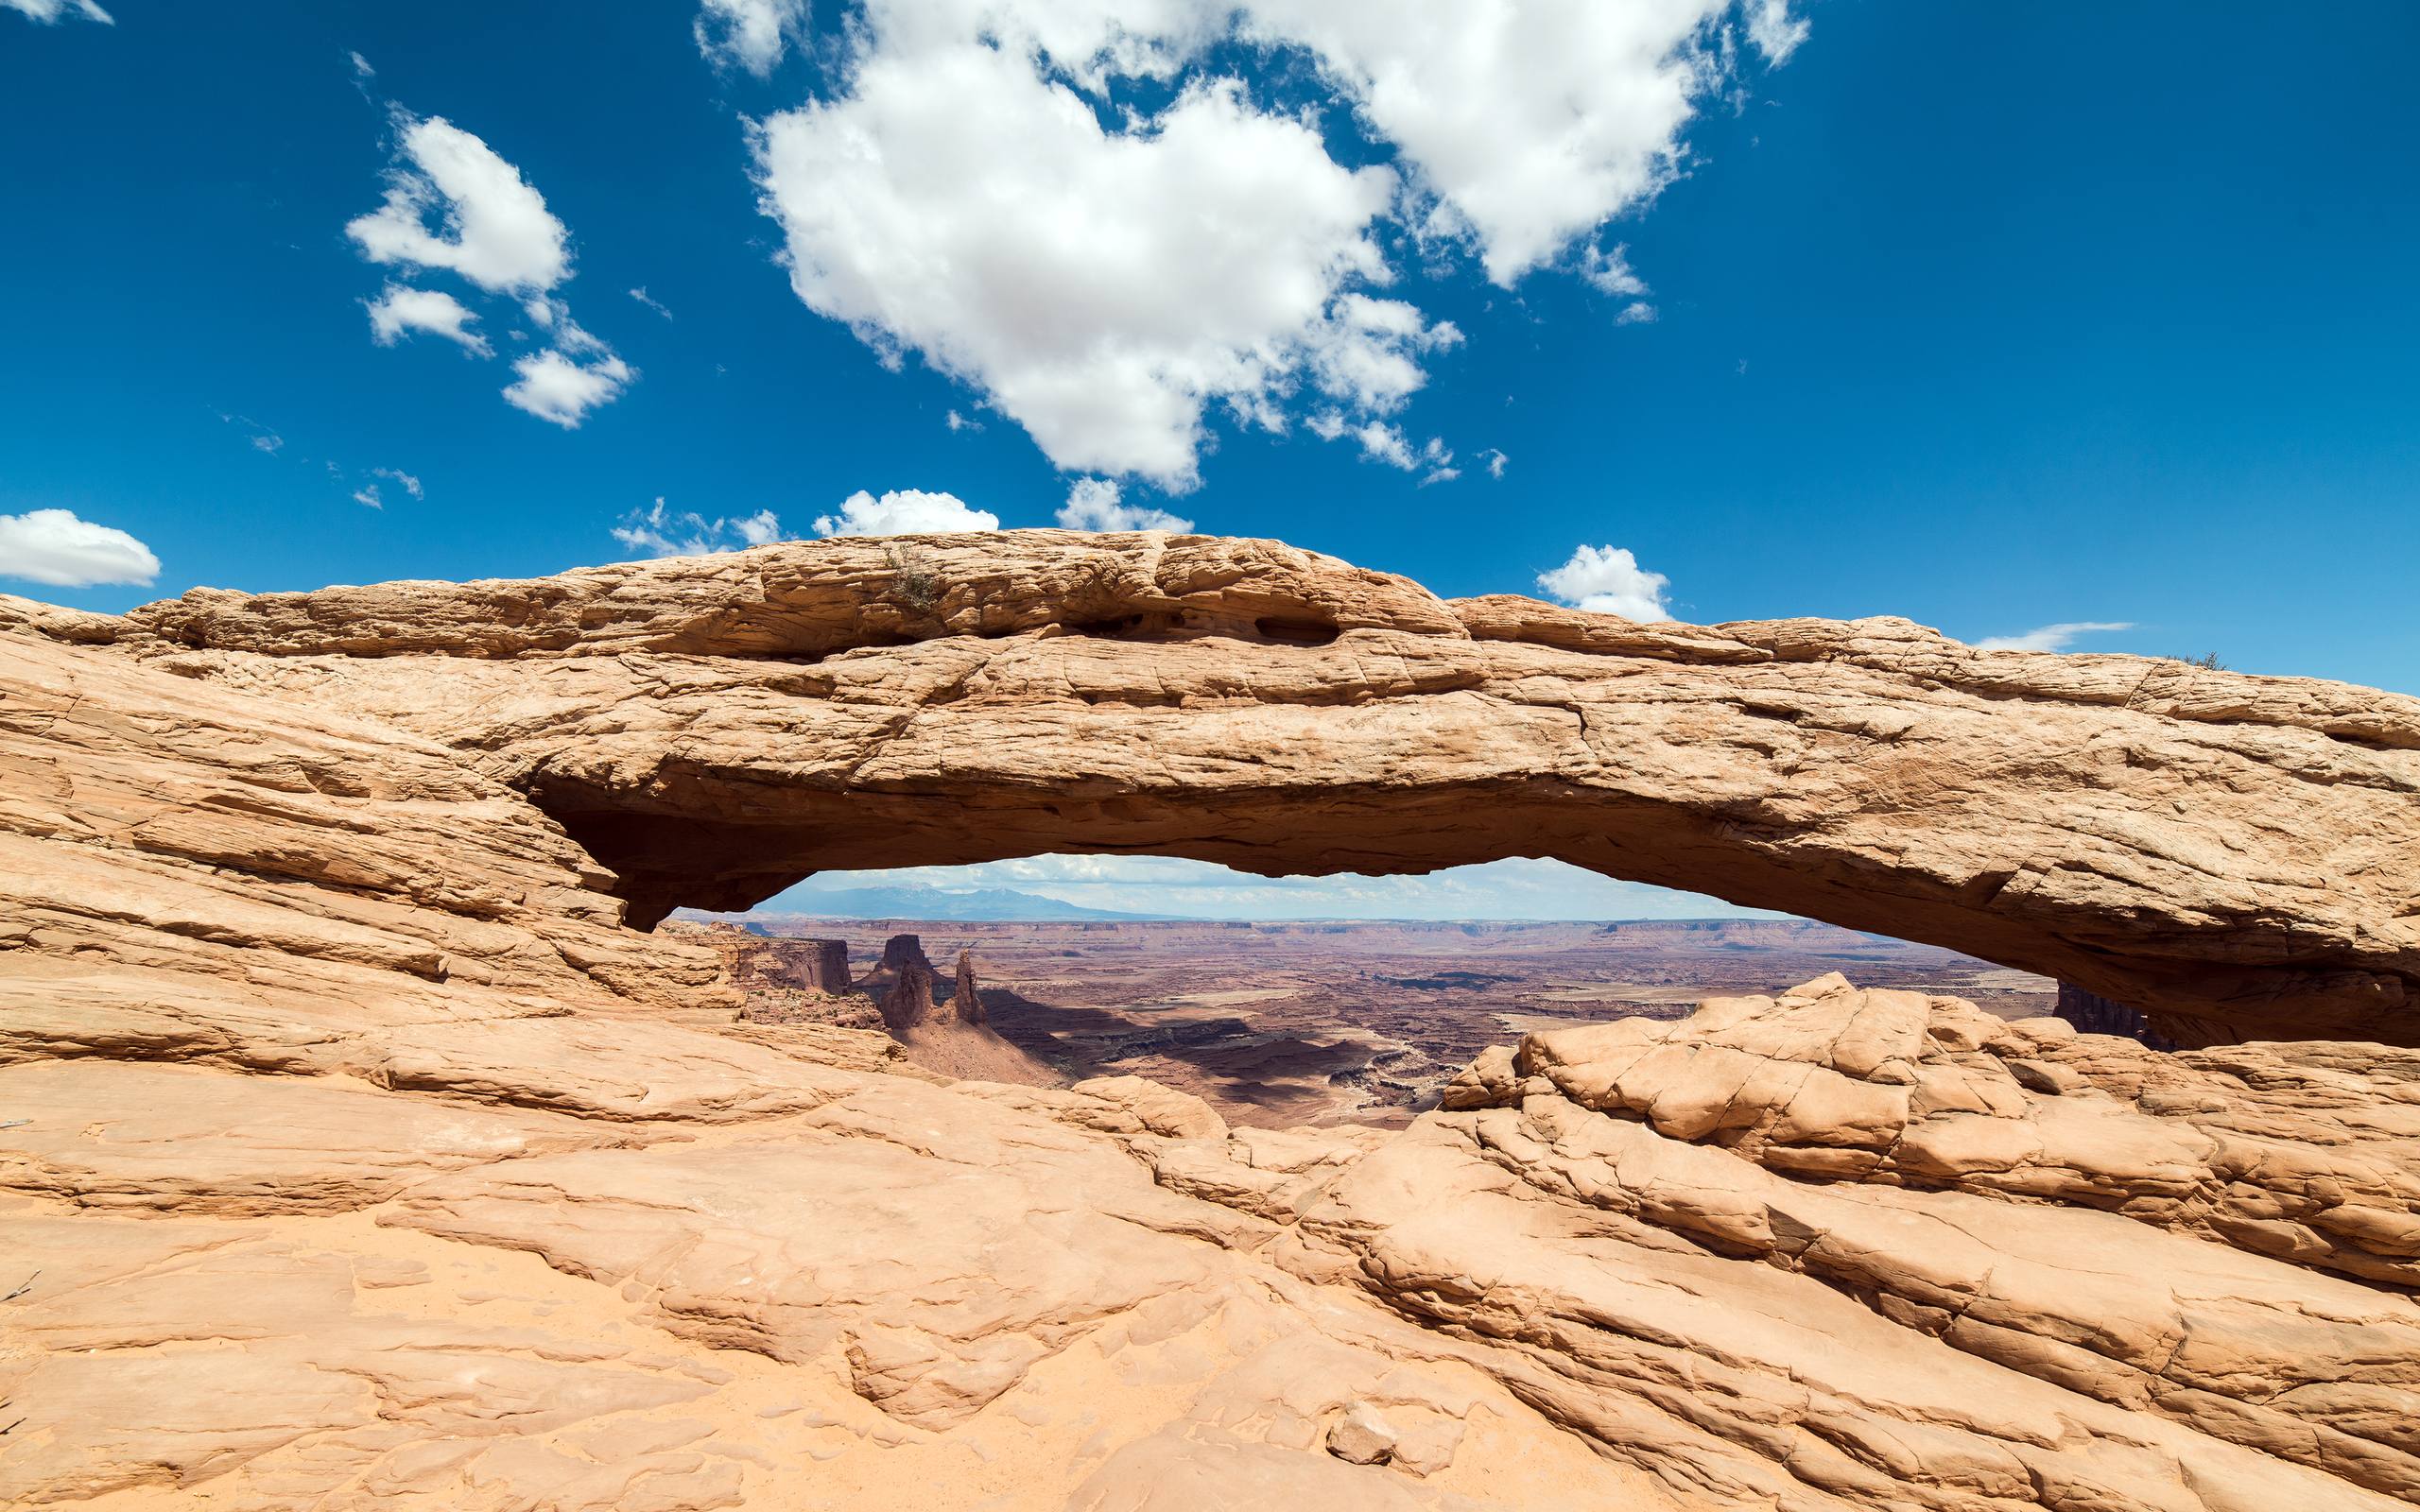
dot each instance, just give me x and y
(1279, 1000)
(701, 849)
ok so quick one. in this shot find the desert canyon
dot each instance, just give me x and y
(366, 1143)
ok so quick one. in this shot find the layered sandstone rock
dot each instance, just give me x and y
(1868, 1232)
(2234, 856)
(827, 970)
(353, 1154)
(760, 963)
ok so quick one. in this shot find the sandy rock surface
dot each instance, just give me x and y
(356, 1153)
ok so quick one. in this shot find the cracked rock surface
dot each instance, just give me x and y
(357, 1154)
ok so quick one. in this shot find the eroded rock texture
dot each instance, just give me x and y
(2155, 1235)
(353, 1154)
(2237, 857)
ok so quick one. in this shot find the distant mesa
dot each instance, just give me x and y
(913, 999)
(789, 981)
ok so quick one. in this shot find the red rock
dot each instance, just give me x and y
(966, 998)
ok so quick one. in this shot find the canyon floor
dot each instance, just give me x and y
(1364, 1021)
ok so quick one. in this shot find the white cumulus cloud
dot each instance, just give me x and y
(1102, 288)
(491, 226)
(401, 309)
(558, 389)
(53, 546)
(454, 205)
(1094, 504)
(1109, 276)
(50, 12)
(904, 513)
(749, 34)
(2052, 637)
(1609, 580)
(1527, 123)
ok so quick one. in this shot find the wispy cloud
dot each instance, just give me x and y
(50, 12)
(1094, 504)
(1387, 444)
(2052, 637)
(402, 479)
(749, 34)
(662, 531)
(270, 443)
(264, 440)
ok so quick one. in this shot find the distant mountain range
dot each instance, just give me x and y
(1006, 905)
(916, 901)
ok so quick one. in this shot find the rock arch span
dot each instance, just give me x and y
(2237, 857)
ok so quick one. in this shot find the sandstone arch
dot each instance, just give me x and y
(2238, 856)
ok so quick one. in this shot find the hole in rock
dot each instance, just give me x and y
(1280, 1000)
(1295, 632)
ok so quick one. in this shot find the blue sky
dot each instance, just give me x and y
(1953, 312)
